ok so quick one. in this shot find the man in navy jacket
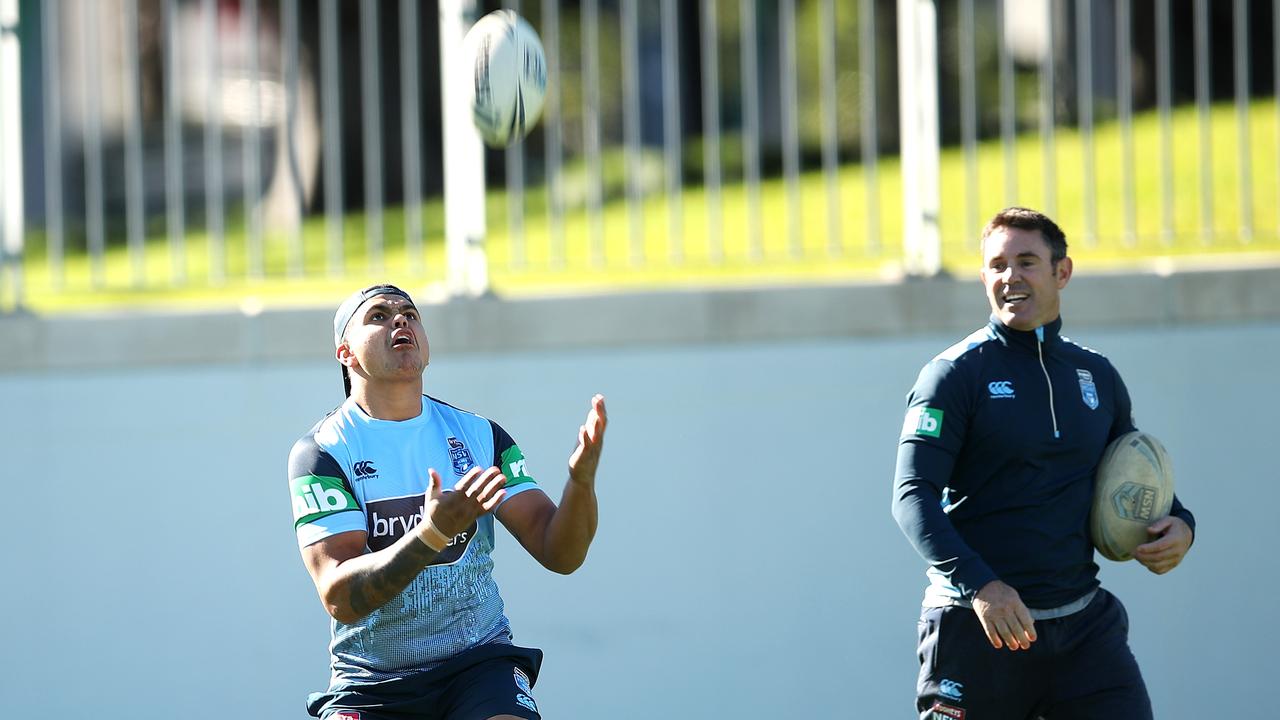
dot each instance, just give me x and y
(994, 481)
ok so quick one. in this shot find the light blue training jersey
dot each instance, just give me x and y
(353, 472)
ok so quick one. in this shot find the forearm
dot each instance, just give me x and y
(571, 528)
(917, 508)
(357, 587)
(933, 536)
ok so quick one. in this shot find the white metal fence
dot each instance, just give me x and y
(216, 144)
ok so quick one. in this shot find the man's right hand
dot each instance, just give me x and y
(478, 492)
(1006, 620)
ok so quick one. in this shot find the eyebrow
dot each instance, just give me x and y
(386, 307)
(1024, 254)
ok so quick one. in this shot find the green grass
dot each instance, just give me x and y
(535, 264)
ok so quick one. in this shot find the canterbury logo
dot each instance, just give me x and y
(1001, 388)
(951, 689)
(365, 467)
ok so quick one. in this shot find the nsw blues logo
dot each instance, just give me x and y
(460, 456)
(1088, 391)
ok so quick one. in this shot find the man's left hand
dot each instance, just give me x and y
(586, 457)
(1172, 540)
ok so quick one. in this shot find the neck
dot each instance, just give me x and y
(394, 400)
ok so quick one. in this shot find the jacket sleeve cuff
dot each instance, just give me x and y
(971, 576)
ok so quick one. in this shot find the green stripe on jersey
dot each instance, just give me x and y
(513, 467)
(317, 496)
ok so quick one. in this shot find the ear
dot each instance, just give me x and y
(1063, 272)
(345, 356)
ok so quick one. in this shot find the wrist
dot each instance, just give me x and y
(431, 536)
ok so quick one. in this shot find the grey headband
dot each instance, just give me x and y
(349, 307)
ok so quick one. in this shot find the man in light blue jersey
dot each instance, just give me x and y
(394, 499)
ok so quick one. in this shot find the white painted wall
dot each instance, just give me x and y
(746, 564)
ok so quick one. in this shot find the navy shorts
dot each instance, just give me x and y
(1079, 668)
(480, 683)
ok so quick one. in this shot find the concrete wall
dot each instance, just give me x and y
(746, 563)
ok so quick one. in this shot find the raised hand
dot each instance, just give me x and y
(586, 457)
(478, 492)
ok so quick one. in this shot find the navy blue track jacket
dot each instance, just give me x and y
(996, 464)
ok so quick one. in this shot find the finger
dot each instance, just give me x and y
(468, 477)
(1006, 635)
(1153, 552)
(1028, 624)
(494, 500)
(597, 430)
(491, 487)
(481, 481)
(434, 483)
(1160, 526)
(993, 636)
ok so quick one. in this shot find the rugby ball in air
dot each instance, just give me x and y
(1134, 488)
(509, 76)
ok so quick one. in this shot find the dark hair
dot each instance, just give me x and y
(1021, 218)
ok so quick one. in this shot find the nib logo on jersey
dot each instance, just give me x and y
(390, 518)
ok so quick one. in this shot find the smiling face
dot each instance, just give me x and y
(385, 340)
(1023, 283)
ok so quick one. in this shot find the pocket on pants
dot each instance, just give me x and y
(927, 632)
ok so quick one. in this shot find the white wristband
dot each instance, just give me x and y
(432, 537)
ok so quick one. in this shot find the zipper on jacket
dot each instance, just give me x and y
(1040, 354)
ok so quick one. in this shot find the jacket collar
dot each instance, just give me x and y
(1026, 339)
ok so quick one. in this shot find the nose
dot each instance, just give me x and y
(400, 320)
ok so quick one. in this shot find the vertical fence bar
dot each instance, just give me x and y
(1164, 102)
(672, 147)
(253, 146)
(410, 135)
(590, 30)
(1049, 113)
(1275, 74)
(1007, 127)
(1124, 97)
(830, 129)
(918, 123)
(133, 145)
(11, 190)
(711, 129)
(551, 129)
(289, 62)
(466, 259)
(870, 141)
(514, 177)
(631, 126)
(1084, 99)
(50, 37)
(92, 77)
(213, 198)
(371, 105)
(751, 127)
(790, 126)
(1244, 167)
(1201, 8)
(969, 118)
(174, 194)
(331, 119)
